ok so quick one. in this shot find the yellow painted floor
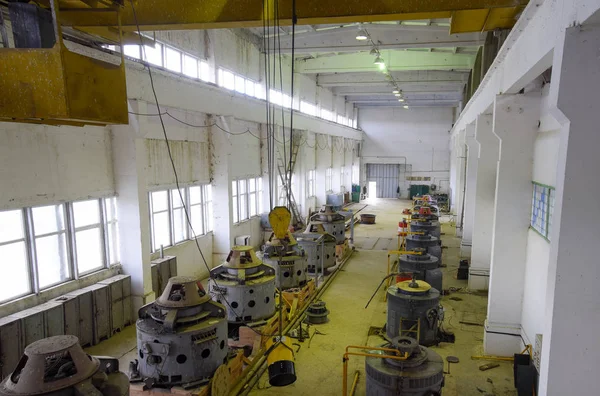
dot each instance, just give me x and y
(319, 366)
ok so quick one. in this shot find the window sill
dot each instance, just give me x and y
(31, 300)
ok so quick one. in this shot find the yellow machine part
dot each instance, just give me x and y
(280, 361)
(56, 86)
(280, 218)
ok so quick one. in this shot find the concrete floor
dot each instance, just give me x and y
(319, 365)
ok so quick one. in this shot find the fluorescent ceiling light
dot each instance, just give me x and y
(400, 100)
(405, 106)
(379, 61)
(362, 35)
(396, 91)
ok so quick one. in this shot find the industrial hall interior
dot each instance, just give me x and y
(299, 197)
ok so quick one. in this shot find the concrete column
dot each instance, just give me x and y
(516, 119)
(485, 191)
(458, 192)
(220, 147)
(571, 352)
(471, 189)
(129, 167)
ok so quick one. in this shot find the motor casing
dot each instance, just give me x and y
(319, 250)
(424, 266)
(429, 242)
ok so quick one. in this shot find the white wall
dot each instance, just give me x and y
(43, 164)
(421, 135)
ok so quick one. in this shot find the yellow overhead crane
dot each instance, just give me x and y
(56, 86)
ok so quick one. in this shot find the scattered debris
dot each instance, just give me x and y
(452, 359)
(488, 366)
(374, 330)
(455, 298)
(490, 381)
(470, 323)
(481, 390)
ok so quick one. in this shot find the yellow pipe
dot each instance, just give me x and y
(397, 356)
(354, 383)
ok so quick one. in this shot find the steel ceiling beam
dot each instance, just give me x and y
(392, 37)
(394, 61)
(376, 78)
(209, 14)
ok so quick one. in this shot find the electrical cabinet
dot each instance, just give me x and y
(11, 344)
(119, 291)
(161, 270)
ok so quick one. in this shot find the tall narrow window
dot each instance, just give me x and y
(132, 51)
(161, 224)
(259, 188)
(196, 211)
(240, 84)
(51, 245)
(204, 71)
(250, 88)
(173, 59)
(13, 250)
(252, 204)
(180, 226)
(234, 201)
(342, 178)
(310, 184)
(89, 241)
(207, 207)
(112, 230)
(355, 174)
(308, 108)
(328, 179)
(190, 66)
(243, 190)
(154, 54)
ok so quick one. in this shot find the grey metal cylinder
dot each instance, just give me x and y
(290, 271)
(422, 374)
(319, 250)
(429, 242)
(332, 222)
(245, 285)
(182, 336)
(411, 308)
(431, 227)
(425, 266)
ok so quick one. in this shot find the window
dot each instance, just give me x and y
(51, 244)
(342, 179)
(327, 115)
(260, 91)
(204, 71)
(310, 183)
(178, 216)
(190, 66)
(153, 55)
(250, 88)
(89, 241)
(201, 209)
(13, 250)
(329, 179)
(111, 230)
(246, 198)
(542, 207)
(243, 199)
(286, 101)
(342, 120)
(355, 174)
(226, 79)
(173, 59)
(240, 84)
(275, 97)
(308, 108)
(132, 51)
(168, 218)
(50, 235)
(160, 219)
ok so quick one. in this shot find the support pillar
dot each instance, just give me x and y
(220, 147)
(471, 188)
(570, 353)
(458, 179)
(129, 164)
(515, 123)
(485, 192)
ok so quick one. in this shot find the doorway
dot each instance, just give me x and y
(372, 190)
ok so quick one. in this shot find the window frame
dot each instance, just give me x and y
(310, 183)
(29, 262)
(103, 242)
(246, 202)
(549, 193)
(329, 179)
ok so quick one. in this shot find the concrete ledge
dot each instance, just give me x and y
(501, 339)
(465, 249)
(479, 278)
